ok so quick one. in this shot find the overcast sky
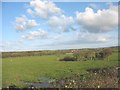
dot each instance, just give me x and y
(46, 25)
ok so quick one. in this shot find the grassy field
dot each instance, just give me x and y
(19, 69)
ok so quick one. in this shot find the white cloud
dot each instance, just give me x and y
(81, 40)
(100, 21)
(21, 19)
(22, 23)
(93, 23)
(93, 38)
(60, 23)
(11, 45)
(44, 8)
(94, 6)
(31, 23)
(20, 27)
(36, 34)
(30, 11)
(57, 37)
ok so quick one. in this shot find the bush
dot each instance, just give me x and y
(68, 58)
(76, 55)
(107, 51)
(104, 53)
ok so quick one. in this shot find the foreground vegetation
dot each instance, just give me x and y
(32, 69)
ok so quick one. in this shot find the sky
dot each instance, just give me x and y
(47, 25)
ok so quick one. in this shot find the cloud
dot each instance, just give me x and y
(94, 24)
(35, 34)
(94, 6)
(22, 23)
(29, 11)
(82, 38)
(31, 23)
(57, 37)
(93, 38)
(43, 8)
(61, 23)
(20, 27)
(11, 45)
(21, 19)
(100, 21)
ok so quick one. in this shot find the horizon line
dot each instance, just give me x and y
(61, 49)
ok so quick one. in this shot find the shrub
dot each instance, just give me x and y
(76, 55)
(68, 58)
(107, 51)
(104, 53)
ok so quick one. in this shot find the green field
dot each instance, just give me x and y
(19, 69)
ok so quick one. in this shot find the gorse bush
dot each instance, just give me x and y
(104, 53)
(92, 54)
(68, 58)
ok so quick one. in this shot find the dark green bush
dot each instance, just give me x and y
(68, 58)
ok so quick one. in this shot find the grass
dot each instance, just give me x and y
(19, 69)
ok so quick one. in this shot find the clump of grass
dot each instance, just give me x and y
(102, 78)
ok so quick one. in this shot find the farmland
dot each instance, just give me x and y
(20, 70)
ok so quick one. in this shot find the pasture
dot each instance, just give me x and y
(17, 70)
